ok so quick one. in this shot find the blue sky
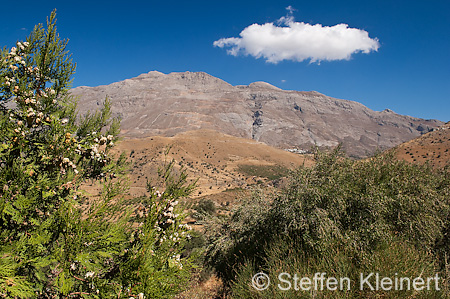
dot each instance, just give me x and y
(115, 40)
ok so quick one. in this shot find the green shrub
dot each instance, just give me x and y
(340, 208)
(156, 262)
(396, 259)
(204, 208)
(272, 172)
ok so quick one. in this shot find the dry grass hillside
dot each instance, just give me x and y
(433, 147)
(218, 161)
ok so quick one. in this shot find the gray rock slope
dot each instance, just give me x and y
(166, 104)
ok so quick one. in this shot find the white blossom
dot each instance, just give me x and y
(30, 112)
(168, 214)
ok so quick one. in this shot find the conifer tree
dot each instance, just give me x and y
(50, 247)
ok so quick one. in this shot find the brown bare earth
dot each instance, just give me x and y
(433, 147)
(218, 161)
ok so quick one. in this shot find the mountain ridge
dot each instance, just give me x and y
(166, 104)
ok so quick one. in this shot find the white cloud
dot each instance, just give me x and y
(298, 41)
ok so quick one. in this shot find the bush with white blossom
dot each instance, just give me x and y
(49, 246)
(160, 239)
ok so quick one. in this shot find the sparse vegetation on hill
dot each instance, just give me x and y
(232, 162)
(432, 148)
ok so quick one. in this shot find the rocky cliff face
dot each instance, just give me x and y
(159, 104)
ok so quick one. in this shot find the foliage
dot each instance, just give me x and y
(340, 211)
(155, 263)
(205, 207)
(272, 172)
(51, 247)
(394, 259)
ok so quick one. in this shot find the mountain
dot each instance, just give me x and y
(433, 148)
(166, 104)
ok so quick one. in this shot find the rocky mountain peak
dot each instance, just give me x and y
(262, 85)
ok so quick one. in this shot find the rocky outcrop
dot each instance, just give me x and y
(166, 104)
